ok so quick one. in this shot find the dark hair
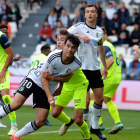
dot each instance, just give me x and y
(45, 47)
(3, 26)
(91, 5)
(104, 30)
(73, 39)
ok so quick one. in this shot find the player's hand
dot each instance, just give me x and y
(132, 75)
(2, 77)
(57, 91)
(135, 47)
(84, 38)
(104, 73)
(51, 101)
(47, 75)
(18, 58)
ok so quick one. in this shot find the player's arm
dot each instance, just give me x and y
(58, 90)
(19, 58)
(101, 51)
(8, 49)
(46, 87)
(109, 62)
(49, 76)
(136, 49)
(74, 30)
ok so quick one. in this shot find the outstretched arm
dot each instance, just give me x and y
(49, 76)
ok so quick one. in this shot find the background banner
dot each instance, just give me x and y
(127, 96)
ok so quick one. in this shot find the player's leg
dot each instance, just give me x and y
(86, 111)
(96, 83)
(47, 121)
(41, 105)
(40, 118)
(109, 92)
(100, 123)
(80, 105)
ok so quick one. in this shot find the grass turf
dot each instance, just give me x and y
(130, 120)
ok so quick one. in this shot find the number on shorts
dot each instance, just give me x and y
(28, 84)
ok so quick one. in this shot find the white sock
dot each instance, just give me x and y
(2, 112)
(14, 126)
(85, 115)
(96, 115)
(90, 116)
(28, 128)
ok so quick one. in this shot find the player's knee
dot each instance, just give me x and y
(55, 114)
(78, 120)
(99, 99)
(40, 122)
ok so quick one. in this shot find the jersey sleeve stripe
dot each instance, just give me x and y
(78, 62)
(50, 60)
(54, 55)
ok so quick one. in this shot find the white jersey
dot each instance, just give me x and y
(88, 52)
(53, 63)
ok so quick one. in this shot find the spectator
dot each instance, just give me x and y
(58, 8)
(5, 9)
(82, 9)
(78, 18)
(134, 69)
(45, 33)
(74, 22)
(135, 17)
(135, 35)
(110, 11)
(31, 2)
(51, 18)
(14, 14)
(123, 14)
(4, 21)
(99, 9)
(114, 25)
(123, 35)
(64, 18)
(123, 66)
(103, 21)
(57, 30)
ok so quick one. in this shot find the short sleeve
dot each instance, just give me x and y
(108, 52)
(73, 29)
(4, 41)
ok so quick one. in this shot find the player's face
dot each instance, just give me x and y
(70, 49)
(60, 42)
(90, 14)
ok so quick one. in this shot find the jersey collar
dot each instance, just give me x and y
(91, 27)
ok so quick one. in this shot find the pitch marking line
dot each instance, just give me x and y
(71, 130)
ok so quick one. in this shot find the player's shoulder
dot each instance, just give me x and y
(77, 60)
(99, 29)
(79, 24)
(53, 55)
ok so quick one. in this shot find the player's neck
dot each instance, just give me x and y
(66, 59)
(91, 24)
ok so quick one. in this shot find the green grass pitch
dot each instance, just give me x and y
(130, 120)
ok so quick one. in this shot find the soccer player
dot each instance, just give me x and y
(58, 63)
(91, 40)
(136, 49)
(111, 84)
(76, 88)
(6, 57)
(45, 50)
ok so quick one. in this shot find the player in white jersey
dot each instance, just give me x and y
(58, 63)
(91, 41)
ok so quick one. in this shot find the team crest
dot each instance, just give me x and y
(68, 70)
(97, 34)
(21, 89)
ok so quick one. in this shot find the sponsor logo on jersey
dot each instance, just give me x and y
(68, 70)
(97, 34)
(57, 74)
(84, 84)
(54, 68)
(77, 100)
(87, 32)
(71, 28)
(93, 42)
(21, 89)
(47, 67)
